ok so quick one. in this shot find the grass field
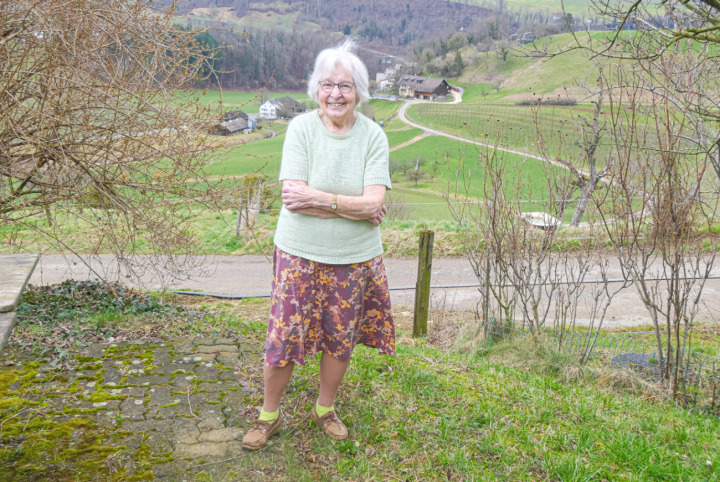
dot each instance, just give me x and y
(384, 109)
(248, 102)
(516, 411)
(575, 7)
(280, 19)
(512, 126)
(443, 157)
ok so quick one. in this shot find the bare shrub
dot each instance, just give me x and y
(397, 208)
(654, 214)
(95, 131)
(526, 280)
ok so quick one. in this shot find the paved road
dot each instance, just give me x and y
(251, 276)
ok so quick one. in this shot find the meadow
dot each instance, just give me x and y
(530, 129)
(248, 102)
(575, 7)
(515, 410)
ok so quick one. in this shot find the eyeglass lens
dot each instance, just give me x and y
(344, 87)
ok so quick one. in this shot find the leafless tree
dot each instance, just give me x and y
(674, 34)
(585, 168)
(99, 128)
(528, 279)
(654, 212)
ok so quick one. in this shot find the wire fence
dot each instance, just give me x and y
(698, 375)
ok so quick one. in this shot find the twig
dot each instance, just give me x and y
(10, 418)
(219, 461)
(190, 404)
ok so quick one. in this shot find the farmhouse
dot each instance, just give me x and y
(426, 88)
(234, 122)
(284, 108)
(235, 114)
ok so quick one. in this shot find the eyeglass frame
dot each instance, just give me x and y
(339, 86)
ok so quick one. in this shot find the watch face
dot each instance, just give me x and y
(333, 206)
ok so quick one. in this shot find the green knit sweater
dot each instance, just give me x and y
(342, 164)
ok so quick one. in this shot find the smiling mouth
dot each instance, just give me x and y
(336, 104)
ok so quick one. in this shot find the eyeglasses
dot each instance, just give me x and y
(343, 87)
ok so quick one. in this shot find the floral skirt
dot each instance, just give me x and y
(328, 308)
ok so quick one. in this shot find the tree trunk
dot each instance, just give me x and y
(581, 206)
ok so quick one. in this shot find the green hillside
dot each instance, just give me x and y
(575, 7)
(522, 76)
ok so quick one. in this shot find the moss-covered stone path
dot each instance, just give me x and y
(168, 408)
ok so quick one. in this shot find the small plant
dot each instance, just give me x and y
(73, 299)
(54, 320)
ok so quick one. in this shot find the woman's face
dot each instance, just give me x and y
(338, 107)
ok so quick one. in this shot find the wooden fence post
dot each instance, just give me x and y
(422, 288)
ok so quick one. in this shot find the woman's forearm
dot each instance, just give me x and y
(300, 198)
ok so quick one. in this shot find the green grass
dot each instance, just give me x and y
(278, 18)
(260, 156)
(576, 7)
(384, 109)
(443, 157)
(508, 413)
(398, 137)
(248, 102)
(523, 75)
(473, 93)
(513, 126)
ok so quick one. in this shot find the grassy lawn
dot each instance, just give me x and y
(516, 411)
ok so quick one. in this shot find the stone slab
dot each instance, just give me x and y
(15, 271)
(7, 322)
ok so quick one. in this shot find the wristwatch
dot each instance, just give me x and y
(333, 206)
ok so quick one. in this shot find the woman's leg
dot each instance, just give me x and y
(332, 372)
(276, 379)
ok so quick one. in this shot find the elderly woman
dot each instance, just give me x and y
(329, 286)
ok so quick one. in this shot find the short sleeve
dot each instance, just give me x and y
(377, 168)
(294, 164)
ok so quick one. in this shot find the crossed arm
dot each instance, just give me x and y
(300, 198)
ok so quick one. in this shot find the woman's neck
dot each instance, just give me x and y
(338, 126)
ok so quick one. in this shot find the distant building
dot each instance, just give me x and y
(426, 88)
(282, 108)
(386, 80)
(235, 114)
(383, 81)
(235, 122)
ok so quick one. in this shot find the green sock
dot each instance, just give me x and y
(320, 410)
(268, 416)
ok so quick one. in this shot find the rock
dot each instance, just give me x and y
(208, 450)
(224, 349)
(222, 435)
(186, 431)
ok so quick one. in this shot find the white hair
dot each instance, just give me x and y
(344, 56)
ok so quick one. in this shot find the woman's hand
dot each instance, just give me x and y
(298, 196)
(379, 215)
